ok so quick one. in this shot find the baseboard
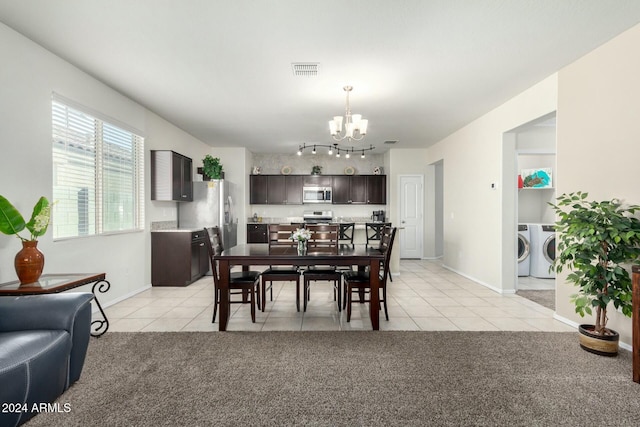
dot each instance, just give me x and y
(480, 282)
(121, 298)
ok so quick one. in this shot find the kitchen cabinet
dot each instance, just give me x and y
(376, 189)
(257, 233)
(349, 189)
(359, 189)
(178, 258)
(293, 189)
(275, 189)
(258, 189)
(171, 176)
(316, 180)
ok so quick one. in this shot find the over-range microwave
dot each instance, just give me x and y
(316, 194)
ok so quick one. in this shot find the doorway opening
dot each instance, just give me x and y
(530, 157)
(434, 211)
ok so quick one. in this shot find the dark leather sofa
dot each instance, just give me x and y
(43, 344)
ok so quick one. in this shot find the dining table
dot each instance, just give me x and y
(262, 254)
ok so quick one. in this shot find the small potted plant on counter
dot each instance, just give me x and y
(595, 241)
(211, 168)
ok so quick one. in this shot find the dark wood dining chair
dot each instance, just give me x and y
(358, 281)
(324, 239)
(279, 236)
(374, 231)
(345, 232)
(240, 283)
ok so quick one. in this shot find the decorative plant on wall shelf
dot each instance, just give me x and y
(212, 168)
(316, 170)
(29, 261)
(595, 241)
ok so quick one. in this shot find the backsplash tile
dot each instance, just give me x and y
(163, 225)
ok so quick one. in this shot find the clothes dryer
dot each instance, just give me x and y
(543, 250)
(524, 250)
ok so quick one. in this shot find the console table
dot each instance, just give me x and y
(53, 283)
(635, 322)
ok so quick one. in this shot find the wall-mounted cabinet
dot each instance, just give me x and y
(316, 180)
(377, 189)
(347, 189)
(275, 189)
(171, 176)
(359, 189)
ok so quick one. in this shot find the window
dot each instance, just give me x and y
(98, 174)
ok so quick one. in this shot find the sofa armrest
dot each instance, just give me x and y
(49, 311)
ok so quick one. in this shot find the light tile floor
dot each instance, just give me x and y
(535, 283)
(424, 296)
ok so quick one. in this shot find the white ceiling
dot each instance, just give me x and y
(221, 70)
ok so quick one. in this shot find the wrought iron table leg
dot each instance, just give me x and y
(101, 325)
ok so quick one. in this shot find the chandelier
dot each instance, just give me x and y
(355, 127)
(335, 150)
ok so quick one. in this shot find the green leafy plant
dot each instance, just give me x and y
(212, 167)
(595, 239)
(316, 170)
(12, 222)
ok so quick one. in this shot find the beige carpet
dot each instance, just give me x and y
(348, 379)
(546, 298)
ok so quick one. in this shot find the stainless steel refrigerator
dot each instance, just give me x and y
(212, 206)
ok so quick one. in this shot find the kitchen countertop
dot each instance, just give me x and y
(178, 230)
(358, 221)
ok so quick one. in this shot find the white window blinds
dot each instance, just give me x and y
(98, 171)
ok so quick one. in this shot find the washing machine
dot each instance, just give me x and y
(543, 250)
(524, 250)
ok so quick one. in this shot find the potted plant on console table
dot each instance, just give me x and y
(595, 239)
(29, 261)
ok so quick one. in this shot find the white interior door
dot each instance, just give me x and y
(411, 216)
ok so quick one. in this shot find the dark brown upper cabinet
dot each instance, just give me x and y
(275, 189)
(171, 176)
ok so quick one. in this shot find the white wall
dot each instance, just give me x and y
(479, 221)
(28, 76)
(598, 138)
(406, 162)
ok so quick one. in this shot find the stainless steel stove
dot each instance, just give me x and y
(317, 217)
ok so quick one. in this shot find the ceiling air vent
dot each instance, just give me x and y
(391, 142)
(305, 69)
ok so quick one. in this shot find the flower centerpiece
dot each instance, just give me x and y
(29, 262)
(301, 235)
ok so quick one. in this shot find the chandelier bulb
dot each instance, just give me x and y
(355, 127)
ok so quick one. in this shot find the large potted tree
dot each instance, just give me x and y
(597, 240)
